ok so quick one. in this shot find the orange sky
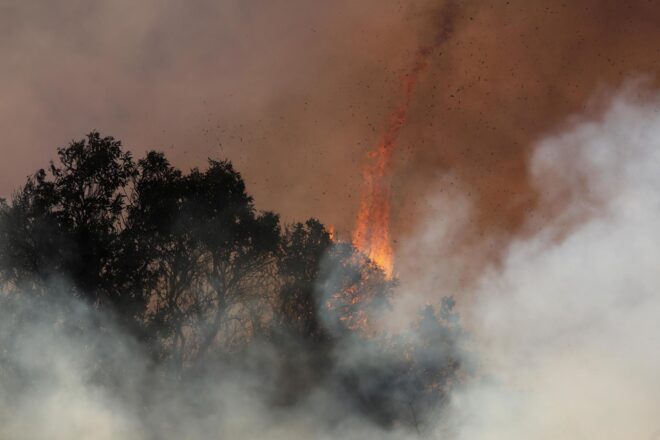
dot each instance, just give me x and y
(295, 92)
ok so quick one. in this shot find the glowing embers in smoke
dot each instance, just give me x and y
(372, 230)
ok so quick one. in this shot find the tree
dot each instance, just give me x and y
(30, 241)
(207, 254)
(65, 222)
(186, 264)
(405, 377)
(159, 260)
(241, 247)
(303, 249)
(179, 258)
(353, 289)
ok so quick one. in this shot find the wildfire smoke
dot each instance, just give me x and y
(372, 231)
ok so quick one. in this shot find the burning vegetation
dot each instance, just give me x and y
(181, 268)
(372, 229)
(140, 300)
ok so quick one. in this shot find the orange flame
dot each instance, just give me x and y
(372, 230)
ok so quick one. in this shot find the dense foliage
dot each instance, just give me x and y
(187, 266)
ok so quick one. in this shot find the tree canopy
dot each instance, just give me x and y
(187, 265)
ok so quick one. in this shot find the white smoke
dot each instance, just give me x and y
(568, 328)
(88, 380)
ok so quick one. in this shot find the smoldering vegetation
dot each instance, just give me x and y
(68, 372)
(168, 307)
(140, 302)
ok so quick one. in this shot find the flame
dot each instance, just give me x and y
(372, 230)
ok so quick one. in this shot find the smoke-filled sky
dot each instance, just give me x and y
(295, 92)
(564, 332)
(520, 144)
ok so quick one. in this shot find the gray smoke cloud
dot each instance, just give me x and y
(567, 327)
(564, 328)
(68, 373)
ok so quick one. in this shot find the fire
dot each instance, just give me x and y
(372, 231)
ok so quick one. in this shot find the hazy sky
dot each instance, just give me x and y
(295, 92)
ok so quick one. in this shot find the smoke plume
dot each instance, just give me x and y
(565, 328)
(540, 203)
(296, 93)
(562, 332)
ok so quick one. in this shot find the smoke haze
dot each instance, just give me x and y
(566, 328)
(563, 331)
(525, 184)
(295, 93)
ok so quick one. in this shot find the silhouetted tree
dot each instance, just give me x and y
(186, 264)
(353, 289)
(159, 258)
(65, 222)
(408, 376)
(208, 257)
(241, 247)
(304, 247)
